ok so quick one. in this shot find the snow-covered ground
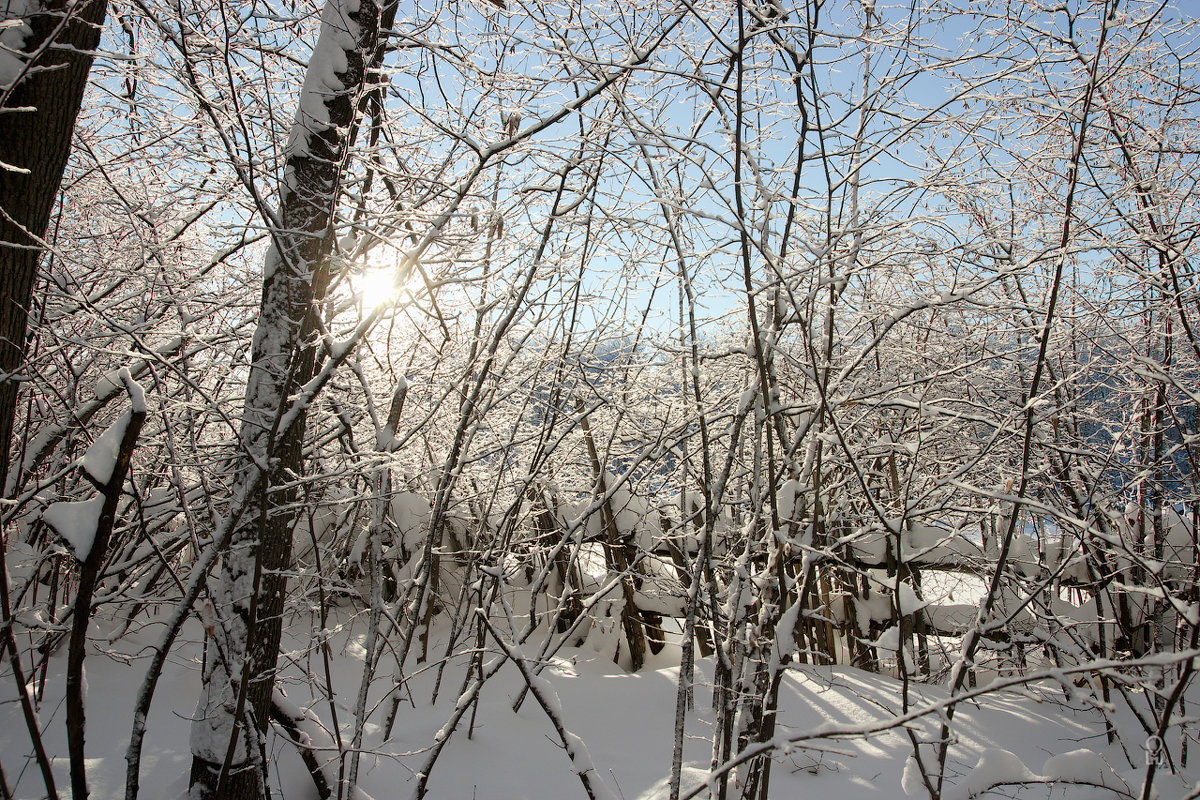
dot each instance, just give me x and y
(625, 720)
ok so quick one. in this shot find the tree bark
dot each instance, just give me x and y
(37, 118)
(228, 761)
(90, 572)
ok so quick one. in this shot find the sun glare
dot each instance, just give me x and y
(377, 286)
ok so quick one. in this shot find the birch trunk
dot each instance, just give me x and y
(232, 713)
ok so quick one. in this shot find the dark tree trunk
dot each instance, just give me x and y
(231, 720)
(91, 570)
(34, 146)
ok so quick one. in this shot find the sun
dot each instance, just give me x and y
(377, 286)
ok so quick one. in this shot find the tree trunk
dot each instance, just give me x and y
(90, 572)
(228, 761)
(34, 145)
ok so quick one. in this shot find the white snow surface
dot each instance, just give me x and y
(411, 513)
(1083, 766)
(137, 395)
(625, 720)
(76, 521)
(996, 767)
(101, 457)
(999, 767)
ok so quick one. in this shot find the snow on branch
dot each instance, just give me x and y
(78, 522)
(998, 767)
